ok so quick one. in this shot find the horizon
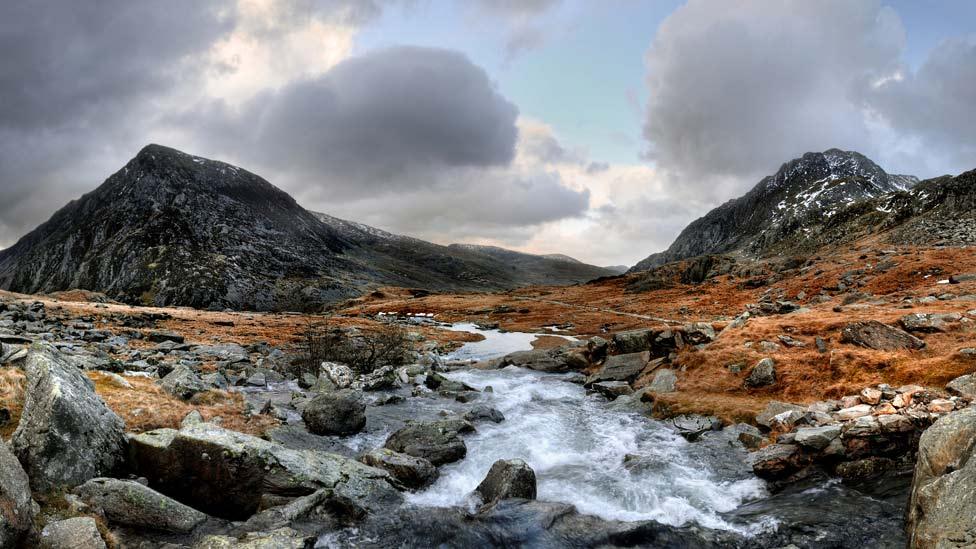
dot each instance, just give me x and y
(598, 132)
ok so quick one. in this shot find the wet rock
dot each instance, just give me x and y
(72, 533)
(964, 386)
(817, 438)
(16, 506)
(558, 359)
(128, 503)
(437, 382)
(633, 341)
(339, 413)
(777, 461)
(438, 441)
(183, 382)
(880, 337)
(231, 475)
(693, 426)
(624, 367)
(484, 413)
(281, 538)
(612, 389)
(414, 473)
(863, 469)
(511, 478)
(665, 381)
(66, 434)
(762, 374)
(943, 496)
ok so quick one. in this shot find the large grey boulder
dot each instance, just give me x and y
(438, 441)
(817, 438)
(621, 368)
(412, 472)
(66, 434)
(880, 337)
(557, 359)
(511, 478)
(964, 386)
(340, 413)
(16, 506)
(183, 382)
(128, 503)
(633, 341)
(72, 533)
(940, 510)
(775, 408)
(231, 475)
(928, 322)
(762, 374)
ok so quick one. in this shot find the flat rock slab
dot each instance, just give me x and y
(621, 368)
(880, 337)
(129, 503)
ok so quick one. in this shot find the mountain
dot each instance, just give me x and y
(792, 207)
(171, 228)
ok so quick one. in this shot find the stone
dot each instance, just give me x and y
(854, 412)
(339, 375)
(870, 395)
(437, 382)
(633, 341)
(411, 472)
(817, 438)
(612, 389)
(776, 461)
(699, 333)
(159, 336)
(484, 413)
(941, 406)
(66, 433)
(128, 503)
(438, 441)
(960, 278)
(821, 344)
(280, 538)
(943, 493)
(863, 426)
(928, 322)
(182, 382)
(880, 337)
(895, 423)
(769, 346)
(665, 381)
(762, 374)
(850, 400)
(885, 408)
(231, 475)
(902, 400)
(16, 505)
(339, 413)
(773, 409)
(512, 478)
(863, 469)
(963, 386)
(558, 359)
(624, 367)
(693, 426)
(72, 533)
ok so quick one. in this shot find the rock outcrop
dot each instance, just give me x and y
(128, 503)
(337, 413)
(438, 442)
(66, 435)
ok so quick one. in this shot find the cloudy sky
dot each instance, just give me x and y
(595, 129)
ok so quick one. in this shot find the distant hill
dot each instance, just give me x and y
(171, 228)
(827, 198)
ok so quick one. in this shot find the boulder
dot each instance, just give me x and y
(633, 341)
(437, 382)
(870, 395)
(963, 386)
(412, 472)
(928, 323)
(128, 503)
(72, 533)
(338, 413)
(159, 336)
(880, 337)
(665, 381)
(612, 389)
(863, 426)
(66, 434)
(773, 409)
(16, 506)
(484, 413)
(338, 375)
(863, 469)
(183, 382)
(232, 475)
(762, 374)
(943, 496)
(853, 412)
(777, 461)
(699, 333)
(693, 426)
(624, 367)
(817, 438)
(280, 538)
(511, 478)
(566, 358)
(438, 441)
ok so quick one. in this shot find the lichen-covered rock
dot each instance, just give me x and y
(16, 506)
(880, 337)
(183, 382)
(412, 472)
(940, 510)
(281, 538)
(437, 441)
(512, 478)
(72, 533)
(66, 434)
(231, 475)
(128, 503)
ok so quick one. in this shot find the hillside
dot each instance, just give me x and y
(170, 228)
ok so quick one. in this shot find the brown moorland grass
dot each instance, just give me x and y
(12, 383)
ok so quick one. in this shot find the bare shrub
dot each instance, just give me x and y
(364, 351)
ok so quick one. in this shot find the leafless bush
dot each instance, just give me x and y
(364, 352)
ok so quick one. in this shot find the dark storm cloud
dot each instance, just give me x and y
(740, 87)
(392, 117)
(937, 104)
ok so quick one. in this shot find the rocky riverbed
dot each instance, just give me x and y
(491, 444)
